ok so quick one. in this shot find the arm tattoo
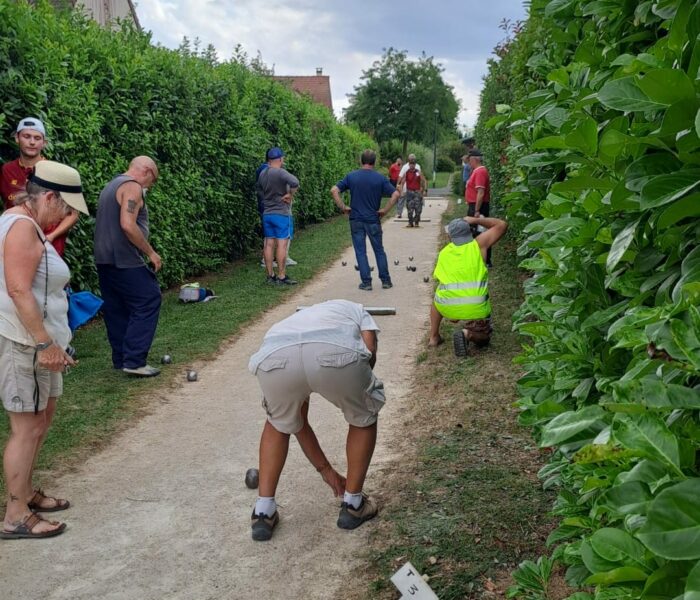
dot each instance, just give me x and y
(13, 498)
(131, 206)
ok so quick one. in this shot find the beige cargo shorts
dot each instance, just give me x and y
(343, 377)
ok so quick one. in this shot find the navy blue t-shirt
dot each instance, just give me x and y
(366, 190)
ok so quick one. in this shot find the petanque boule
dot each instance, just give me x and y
(357, 268)
(396, 263)
(166, 360)
(426, 279)
(413, 268)
(191, 375)
(408, 267)
(344, 263)
(251, 478)
(371, 268)
(410, 258)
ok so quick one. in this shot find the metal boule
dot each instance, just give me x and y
(413, 268)
(166, 360)
(371, 268)
(396, 262)
(344, 263)
(410, 258)
(251, 478)
(357, 268)
(408, 267)
(192, 375)
(426, 279)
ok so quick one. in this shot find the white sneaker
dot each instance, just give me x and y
(290, 262)
(274, 263)
(145, 371)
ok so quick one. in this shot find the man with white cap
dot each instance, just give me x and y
(462, 293)
(30, 136)
(130, 288)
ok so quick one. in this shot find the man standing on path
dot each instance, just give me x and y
(277, 187)
(416, 186)
(367, 187)
(328, 348)
(129, 288)
(402, 188)
(31, 139)
(462, 293)
(394, 171)
(478, 190)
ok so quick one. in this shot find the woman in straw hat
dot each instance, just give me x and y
(33, 334)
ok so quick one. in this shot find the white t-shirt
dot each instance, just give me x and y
(335, 322)
(402, 172)
(45, 288)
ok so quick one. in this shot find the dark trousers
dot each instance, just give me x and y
(131, 309)
(471, 208)
(360, 231)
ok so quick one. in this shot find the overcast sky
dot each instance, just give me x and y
(343, 38)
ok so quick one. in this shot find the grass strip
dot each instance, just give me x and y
(98, 400)
(468, 507)
(441, 180)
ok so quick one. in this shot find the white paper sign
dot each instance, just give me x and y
(410, 583)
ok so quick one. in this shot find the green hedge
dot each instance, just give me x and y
(603, 125)
(109, 96)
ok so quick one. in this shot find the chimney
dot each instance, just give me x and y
(319, 70)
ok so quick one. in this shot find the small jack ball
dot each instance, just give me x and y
(344, 263)
(191, 375)
(251, 478)
(167, 359)
(426, 279)
(410, 258)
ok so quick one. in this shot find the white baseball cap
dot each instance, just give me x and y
(31, 123)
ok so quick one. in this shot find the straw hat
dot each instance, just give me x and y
(62, 179)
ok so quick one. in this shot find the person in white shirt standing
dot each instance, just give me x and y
(328, 348)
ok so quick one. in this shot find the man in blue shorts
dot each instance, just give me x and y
(276, 187)
(367, 187)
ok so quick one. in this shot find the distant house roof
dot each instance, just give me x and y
(317, 86)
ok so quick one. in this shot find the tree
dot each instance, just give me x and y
(398, 97)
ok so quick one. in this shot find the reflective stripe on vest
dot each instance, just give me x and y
(463, 276)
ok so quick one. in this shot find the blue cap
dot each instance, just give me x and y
(274, 153)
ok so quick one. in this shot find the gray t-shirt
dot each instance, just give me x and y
(273, 183)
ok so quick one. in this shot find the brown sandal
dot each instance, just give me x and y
(35, 503)
(26, 529)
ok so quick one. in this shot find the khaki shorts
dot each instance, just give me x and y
(17, 378)
(343, 377)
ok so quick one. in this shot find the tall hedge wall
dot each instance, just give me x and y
(109, 96)
(602, 124)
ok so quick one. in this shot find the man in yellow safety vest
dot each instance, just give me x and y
(463, 290)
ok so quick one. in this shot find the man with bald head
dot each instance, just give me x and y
(129, 286)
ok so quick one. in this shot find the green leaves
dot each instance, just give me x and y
(620, 245)
(666, 86)
(663, 189)
(565, 426)
(624, 94)
(672, 529)
(648, 436)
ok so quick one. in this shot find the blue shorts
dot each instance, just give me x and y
(280, 227)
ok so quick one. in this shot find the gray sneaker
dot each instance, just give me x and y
(145, 371)
(262, 526)
(286, 280)
(351, 518)
(290, 262)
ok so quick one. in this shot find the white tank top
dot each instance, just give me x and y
(46, 287)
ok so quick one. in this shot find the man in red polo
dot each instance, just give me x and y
(478, 189)
(31, 139)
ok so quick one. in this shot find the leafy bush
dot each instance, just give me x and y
(444, 164)
(109, 96)
(603, 155)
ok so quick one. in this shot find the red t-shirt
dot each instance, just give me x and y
(13, 180)
(394, 171)
(413, 180)
(478, 179)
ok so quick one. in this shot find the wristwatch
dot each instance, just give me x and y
(43, 345)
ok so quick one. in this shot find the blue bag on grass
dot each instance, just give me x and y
(82, 306)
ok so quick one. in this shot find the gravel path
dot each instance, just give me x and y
(163, 512)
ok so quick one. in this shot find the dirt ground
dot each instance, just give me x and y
(163, 512)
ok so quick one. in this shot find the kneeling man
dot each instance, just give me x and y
(462, 293)
(329, 348)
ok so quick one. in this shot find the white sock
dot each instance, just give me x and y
(265, 506)
(353, 500)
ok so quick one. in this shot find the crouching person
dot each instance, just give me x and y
(329, 348)
(462, 293)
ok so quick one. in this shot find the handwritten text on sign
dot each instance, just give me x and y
(410, 583)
